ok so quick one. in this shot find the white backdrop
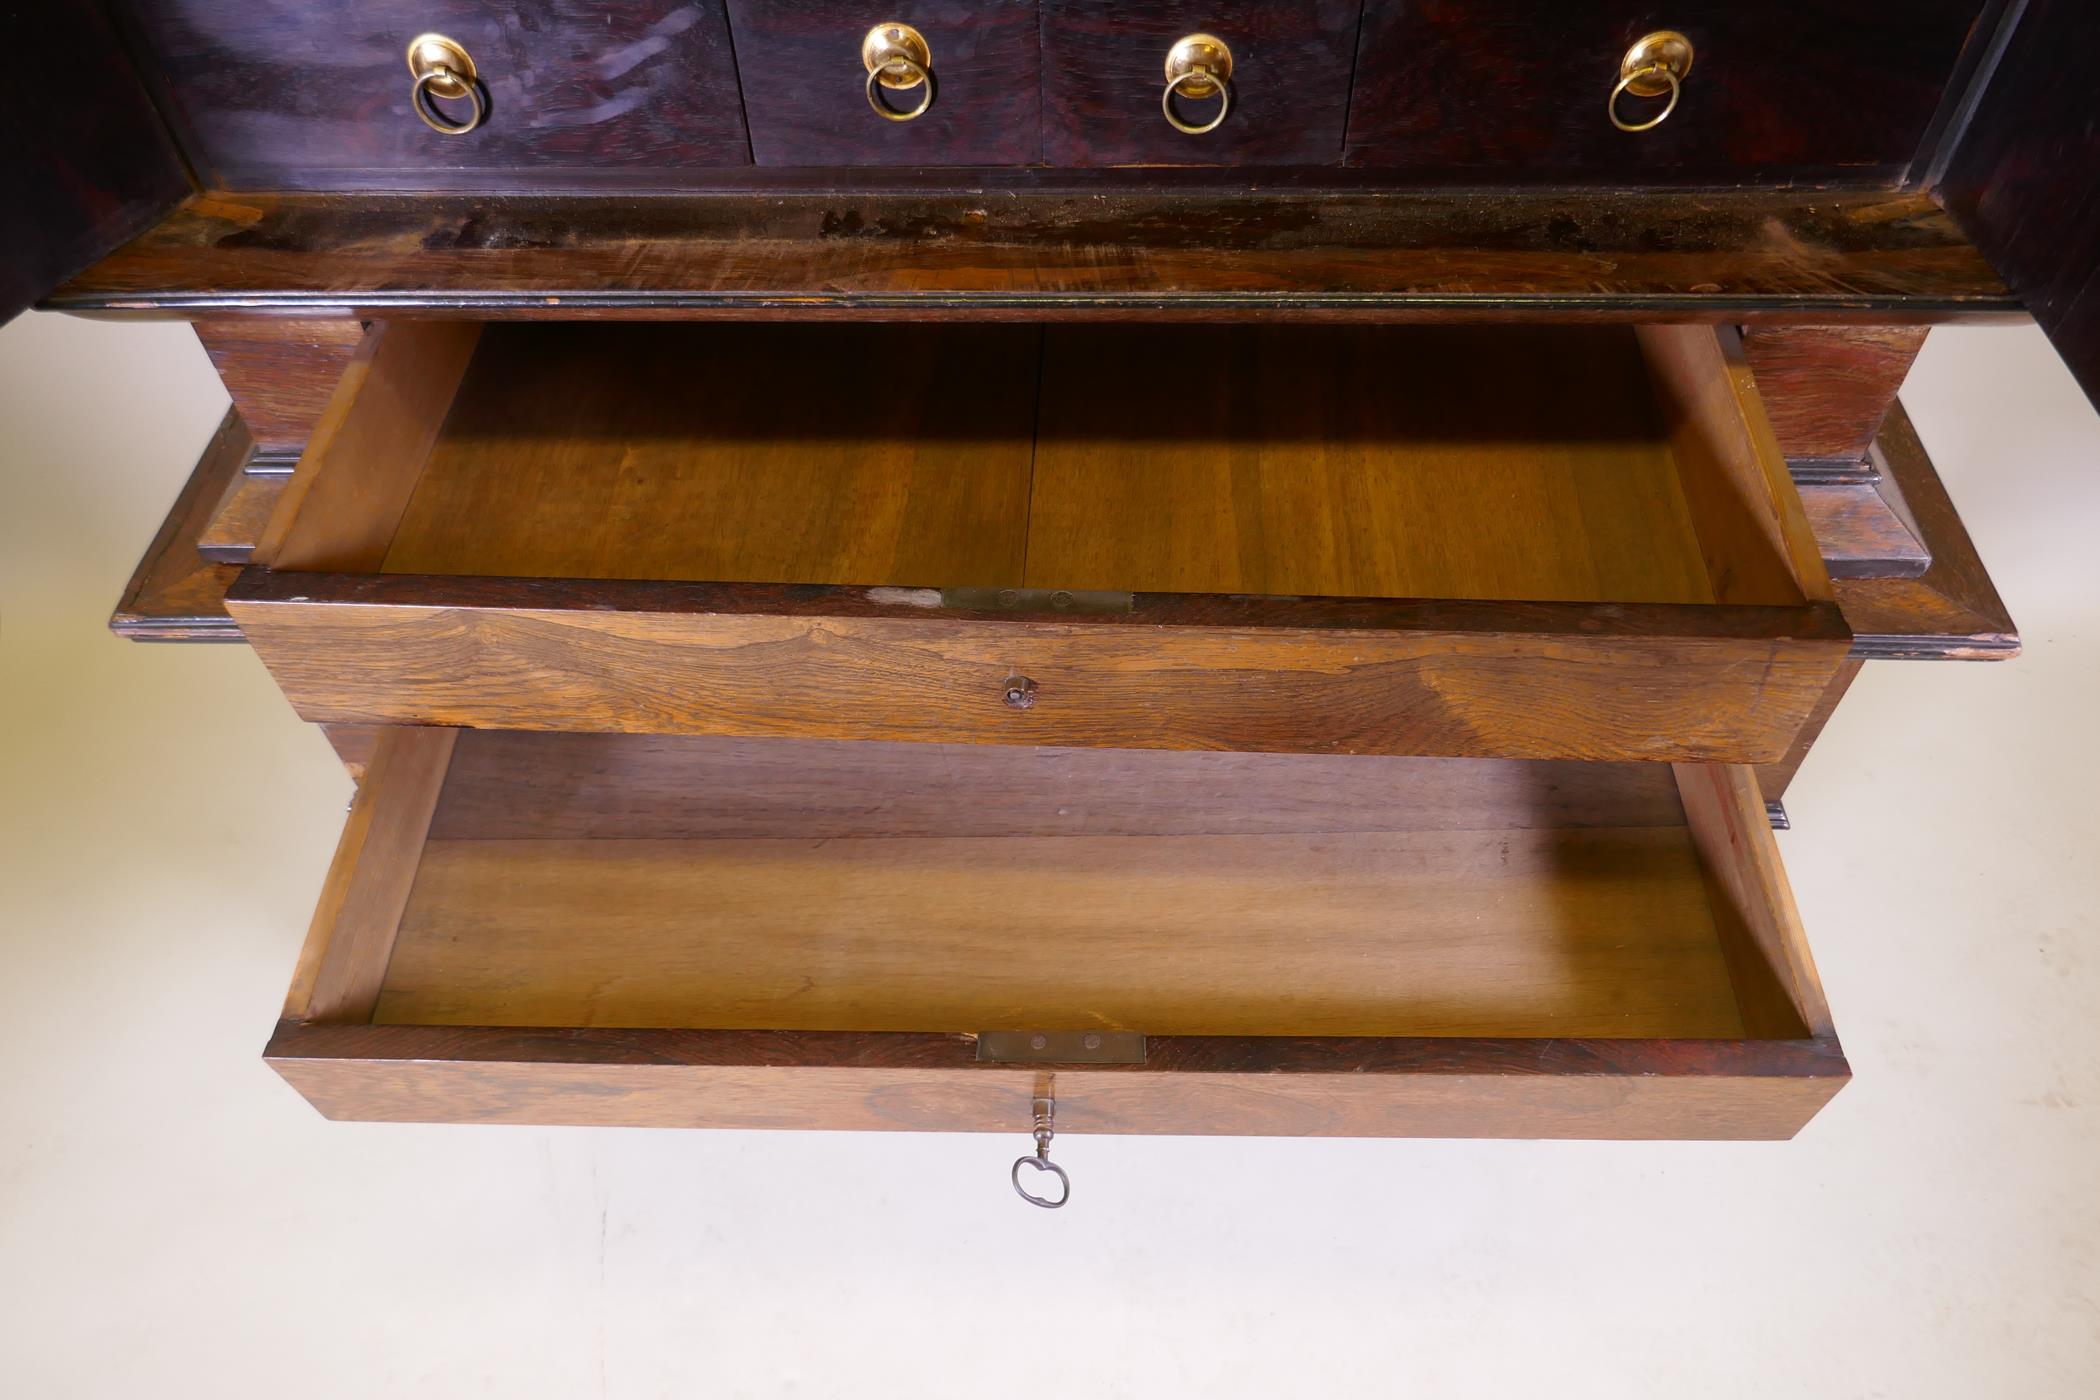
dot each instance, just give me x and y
(173, 1220)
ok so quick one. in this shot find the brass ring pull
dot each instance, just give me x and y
(1198, 66)
(443, 69)
(897, 58)
(1656, 64)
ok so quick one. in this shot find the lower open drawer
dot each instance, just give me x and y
(697, 931)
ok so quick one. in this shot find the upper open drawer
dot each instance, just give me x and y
(1522, 542)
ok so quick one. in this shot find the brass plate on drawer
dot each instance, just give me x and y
(1062, 1047)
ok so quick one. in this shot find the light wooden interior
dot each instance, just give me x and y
(1577, 464)
(635, 881)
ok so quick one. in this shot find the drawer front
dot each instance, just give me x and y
(1104, 71)
(1516, 89)
(577, 92)
(806, 88)
(702, 933)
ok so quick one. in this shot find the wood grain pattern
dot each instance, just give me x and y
(1775, 976)
(1827, 388)
(84, 159)
(1952, 611)
(1756, 542)
(805, 96)
(1773, 779)
(1383, 462)
(1860, 535)
(1104, 70)
(354, 744)
(1035, 255)
(1595, 932)
(579, 92)
(243, 513)
(748, 453)
(343, 963)
(1269, 1086)
(573, 787)
(345, 498)
(176, 594)
(1177, 671)
(280, 373)
(1510, 91)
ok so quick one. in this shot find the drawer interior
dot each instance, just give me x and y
(1504, 463)
(637, 881)
(542, 927)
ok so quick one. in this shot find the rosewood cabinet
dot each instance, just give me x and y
(882, 568)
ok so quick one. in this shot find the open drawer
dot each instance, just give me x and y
(697, 931)
(1535, 542)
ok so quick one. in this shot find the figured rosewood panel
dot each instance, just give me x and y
(275, 96)
(805, 92)
(1104, 72)
(280, 373)
(1779, 91)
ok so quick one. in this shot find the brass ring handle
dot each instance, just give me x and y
(885, 110)
(1657, 63)
(896, 57)
(1198, 66)
(443, 69)
(1611, 108)
(421, 98)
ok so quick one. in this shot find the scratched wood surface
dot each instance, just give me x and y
(1036, 254)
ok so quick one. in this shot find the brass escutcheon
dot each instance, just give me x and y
(1656, 64)
(442, 69)
(897, 58)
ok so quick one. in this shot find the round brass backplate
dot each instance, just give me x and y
(886, 44)
(434, 53)
(1194, 52)
(1652, 55)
